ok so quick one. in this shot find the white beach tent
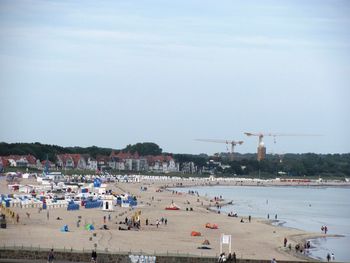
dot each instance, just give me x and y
(108, 205)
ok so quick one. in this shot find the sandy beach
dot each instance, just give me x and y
(255, 240)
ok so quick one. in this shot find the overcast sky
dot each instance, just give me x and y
(112, 73)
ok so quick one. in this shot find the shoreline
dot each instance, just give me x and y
(257, 240)
(298, 238)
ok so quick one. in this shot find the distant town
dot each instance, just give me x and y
(115, 161)
(149, 158)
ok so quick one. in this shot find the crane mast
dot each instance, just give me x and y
(261, 151)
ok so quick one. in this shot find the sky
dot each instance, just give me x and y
(112, 73)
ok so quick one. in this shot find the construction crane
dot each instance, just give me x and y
(261, 146)
(228, 142)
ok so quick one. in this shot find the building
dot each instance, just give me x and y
(23, 161)
(162, 164)
(188, 168)
(71, 161)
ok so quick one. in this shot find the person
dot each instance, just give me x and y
(328, 257)
(222, 257)
(157, 223)
(325, 229)
(17, 218)
(242, 220)
(308, 244)
(47, 215)
(285, 242)
(249, 218)
(234, 259)
(333, 257)
(50, 257)
(146, 221)
(166, 221)
(275, 216)
(268, 216)
(104, 219)
(273, 260)
(93, 256)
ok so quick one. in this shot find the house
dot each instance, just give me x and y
(102, 162)
(3, 163)
(91, 164)
(71, 161)
(48, 163)
(126, 161)
(162, 164)
(188, 168)
(31, 161)
(19, 161)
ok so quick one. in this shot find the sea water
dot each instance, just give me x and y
(306, 208)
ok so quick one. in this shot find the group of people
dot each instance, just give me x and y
(231, 214)
(301, 248)
(268, 216)
(161, 221)
(324, 229)
(330, 257)
(229, 258)
(193, 192)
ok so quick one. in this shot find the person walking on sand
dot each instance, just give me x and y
(50, 257)
(250, 218)
(47, 215)
(17, 218)
(93, 256)
(328, 257)
(285, 242)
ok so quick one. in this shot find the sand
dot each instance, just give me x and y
(255, 240)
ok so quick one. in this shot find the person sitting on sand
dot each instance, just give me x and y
(242, 221)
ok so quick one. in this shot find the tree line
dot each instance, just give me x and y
(43, 151)
(306, 164)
